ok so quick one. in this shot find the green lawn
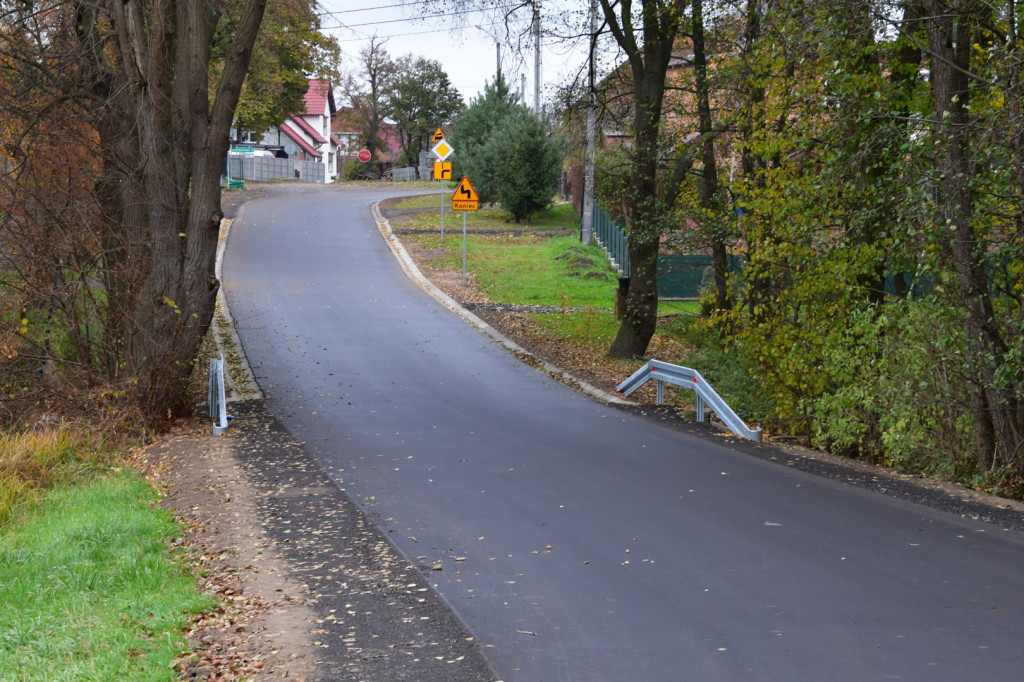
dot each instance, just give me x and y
(557, 217)
(532, 269)
(90, 587)
(428, 200)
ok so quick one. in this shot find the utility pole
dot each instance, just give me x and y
(536, 57)
(587, 217)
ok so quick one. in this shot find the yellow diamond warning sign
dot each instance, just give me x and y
(442, 150)
(465, 197)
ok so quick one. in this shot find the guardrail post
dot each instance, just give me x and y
(216, 396)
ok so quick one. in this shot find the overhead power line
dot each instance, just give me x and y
(407, 19)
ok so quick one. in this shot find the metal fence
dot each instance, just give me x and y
(612, 239)
(265, 168)
(403, 173)
(260, 168)
(680, 277)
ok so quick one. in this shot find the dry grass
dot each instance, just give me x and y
(31, 461)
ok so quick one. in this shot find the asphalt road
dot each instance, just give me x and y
(579, 542)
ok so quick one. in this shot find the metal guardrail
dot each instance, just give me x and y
(216, 395)
(663, 373)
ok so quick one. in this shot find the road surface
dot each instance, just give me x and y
(579, 542)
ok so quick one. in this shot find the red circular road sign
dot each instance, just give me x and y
(364, 155)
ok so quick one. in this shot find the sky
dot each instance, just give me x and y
(464, 43)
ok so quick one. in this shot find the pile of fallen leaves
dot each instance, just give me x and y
(222, 635)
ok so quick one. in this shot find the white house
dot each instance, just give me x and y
(306, 136)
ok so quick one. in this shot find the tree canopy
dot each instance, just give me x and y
(413, 94)
(424, 99)
(473, 135)
(290, 49)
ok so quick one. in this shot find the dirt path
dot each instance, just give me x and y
(309, 588)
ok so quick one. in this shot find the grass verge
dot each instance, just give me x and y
(557, 217)
(90, 587)
(533, 269)
(542, 265)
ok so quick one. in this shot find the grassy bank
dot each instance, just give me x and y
(543, 263)
(89, 585)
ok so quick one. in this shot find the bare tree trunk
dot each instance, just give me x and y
(997, 434)
(1013, 89)
(709, 189)
(164, 145)
(758, 286)
(647, 209)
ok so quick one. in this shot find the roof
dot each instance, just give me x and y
(304, 126)
(319, 98)
(295, 137)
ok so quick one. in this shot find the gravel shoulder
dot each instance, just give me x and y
(310, 589)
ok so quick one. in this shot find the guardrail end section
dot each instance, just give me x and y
(217, 398)
(692, 379)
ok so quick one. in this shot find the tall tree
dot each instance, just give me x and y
(473, 135)
(529, 163)
(648, 49)
(424, 100)
(370, 90)
(139, 76)
(290, 49)
(954, 28)
(710, 194)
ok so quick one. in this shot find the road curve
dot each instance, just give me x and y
(576, 541)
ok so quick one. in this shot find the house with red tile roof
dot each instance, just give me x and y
(306, 135)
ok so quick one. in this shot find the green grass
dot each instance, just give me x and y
(533, 269)
(90, 588)
(590, 329)
(429, 200)
(558, 217)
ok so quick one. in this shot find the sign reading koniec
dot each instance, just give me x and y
(465, 197)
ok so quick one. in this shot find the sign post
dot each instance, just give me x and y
(442, 150)
(465, 199)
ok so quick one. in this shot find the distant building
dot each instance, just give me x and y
(306, 136)
(347, 126)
